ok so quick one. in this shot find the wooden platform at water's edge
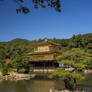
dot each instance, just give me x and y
(42, 71)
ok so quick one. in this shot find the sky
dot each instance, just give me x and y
(75, 18)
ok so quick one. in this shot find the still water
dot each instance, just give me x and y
(40, 85)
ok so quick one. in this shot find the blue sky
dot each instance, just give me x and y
(75, 18)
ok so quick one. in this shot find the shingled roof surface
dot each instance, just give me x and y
(46, 43)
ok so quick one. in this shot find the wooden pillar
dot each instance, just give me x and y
(44, 66)
(34, 65)
(52, 64)
(47, 66)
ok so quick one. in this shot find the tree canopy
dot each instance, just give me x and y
(12, 52)
(23, 8)
(74, 61)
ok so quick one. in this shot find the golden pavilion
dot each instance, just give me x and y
(44, 55)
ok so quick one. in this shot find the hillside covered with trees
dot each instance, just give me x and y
(12, 53)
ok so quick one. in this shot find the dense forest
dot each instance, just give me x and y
(12, 53)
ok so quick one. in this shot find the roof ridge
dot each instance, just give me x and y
(47, 42)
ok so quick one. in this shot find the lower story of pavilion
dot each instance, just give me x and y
(44, 66)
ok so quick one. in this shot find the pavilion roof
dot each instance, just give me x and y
(46, 43)
(41, 53)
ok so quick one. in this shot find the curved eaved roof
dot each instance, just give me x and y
(41, 53)
(46, 43)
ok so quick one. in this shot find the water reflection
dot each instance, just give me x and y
(86, 83)
(29, 86)
(40, 85)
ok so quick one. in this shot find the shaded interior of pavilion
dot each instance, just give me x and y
(44, 64)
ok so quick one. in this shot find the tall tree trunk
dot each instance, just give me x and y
(66, 83)
(69, 83)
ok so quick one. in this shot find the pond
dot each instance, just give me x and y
(40, 85)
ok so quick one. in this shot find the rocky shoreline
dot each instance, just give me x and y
(88, 71)
(64, 90)
(17, 76)
(68, 91)
(22, 76)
